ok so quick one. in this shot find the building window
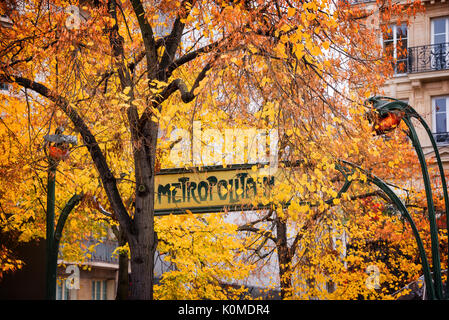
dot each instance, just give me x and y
(99, 289)
(5, 21)
(395, 45)
(4, 86)
(440, 43)
(62, 292)
(440, 107)
(440, 30)
(330, 286)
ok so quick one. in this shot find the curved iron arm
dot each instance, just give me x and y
(401, 105)
(385, 105)
(401, 207)
(73, 201)
(54, 237)
(426, 268)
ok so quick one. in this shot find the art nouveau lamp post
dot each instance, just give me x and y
(386, 116)
(58, 149)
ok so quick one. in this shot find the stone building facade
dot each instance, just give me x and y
(421, 75)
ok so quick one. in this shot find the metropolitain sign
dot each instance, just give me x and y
(214, 188)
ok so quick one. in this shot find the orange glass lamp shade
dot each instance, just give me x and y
(387, 122)
(57, 153)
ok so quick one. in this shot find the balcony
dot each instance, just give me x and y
(103, 251)
(426, 58)
(441, 137)
(360, 1)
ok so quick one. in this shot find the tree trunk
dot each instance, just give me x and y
(142, 277)
(284, 258)
(123, 276)
(143, 244)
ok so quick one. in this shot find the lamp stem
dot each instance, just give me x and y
(430, 208)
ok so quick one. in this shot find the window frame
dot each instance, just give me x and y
(434, 118)
(432, 28)
(99, 289)
(62, 292)
(445, 51)
(4, 86)
(394, 40)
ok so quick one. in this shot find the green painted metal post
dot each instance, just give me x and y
(443, 184)
(436, 262)
(52, 236)
(50, 266)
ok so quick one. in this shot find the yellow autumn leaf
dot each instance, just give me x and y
(126, 90)
(291, 12)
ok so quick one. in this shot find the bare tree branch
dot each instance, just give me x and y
(148, 38)
(173, 40)
(264, 233)
(191, 56)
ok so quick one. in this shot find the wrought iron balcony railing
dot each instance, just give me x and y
(428, 58)
(103, 251)
(360, 1)
(441, 137)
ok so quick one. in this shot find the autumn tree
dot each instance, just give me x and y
(124, 74)
(56, 55)
(311, 82)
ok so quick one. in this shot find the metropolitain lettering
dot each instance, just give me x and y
(185, 190)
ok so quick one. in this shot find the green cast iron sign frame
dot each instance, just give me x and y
(209, 171)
